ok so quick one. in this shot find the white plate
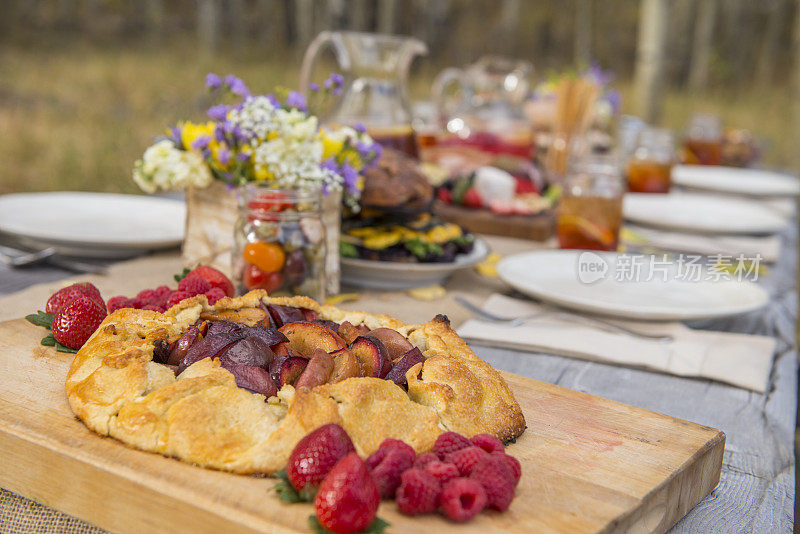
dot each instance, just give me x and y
(389, 275)
(93, 224)
(701, 213)
(753, 182)
(553, 276)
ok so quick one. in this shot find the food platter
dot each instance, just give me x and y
(388, 275)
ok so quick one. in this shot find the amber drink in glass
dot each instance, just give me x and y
(650, 167)
(703, 143)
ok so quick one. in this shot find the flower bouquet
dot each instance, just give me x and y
(268, 142)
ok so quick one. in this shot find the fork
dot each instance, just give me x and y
(589, 321)
(18, 258)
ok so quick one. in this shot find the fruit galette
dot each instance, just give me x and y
(236, 385)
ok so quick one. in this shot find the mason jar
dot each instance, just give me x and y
(279, 242)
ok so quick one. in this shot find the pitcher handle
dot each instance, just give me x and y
(311, 54)
(440, 84)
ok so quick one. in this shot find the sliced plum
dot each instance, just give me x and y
(161, 350)
(309, 315)
(409, 360)
(208, 347)
(317, 372)
(248, 351)
(283, 315)
(349, 332)
(287, 369)
(270, 336)
(345, 365)
(333, 325)
(252, 378)
(222, 326)
(372, 356)
(245, 316)
(305, 338)
(181, 347)
(394, 342)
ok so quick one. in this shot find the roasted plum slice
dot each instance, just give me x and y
(333, 325)
(181, 347)
(287, 369)
(349, 332)
(309, 315)
(394, 342)
(248, 351)
(283, 349)
(208, 347)
(161, 350)
(283, 315)
(304, 338)
(252, 378)
(372, 356)
(409, 360)
(245, 316)
(345, 365)
(222, 326)
(317, 372)
(270, 336)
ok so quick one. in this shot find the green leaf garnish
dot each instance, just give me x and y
(286, 491)
(377, 526)
(181, 275)
(40, 318)
(347, 250)
(62, 348)
(49, 341)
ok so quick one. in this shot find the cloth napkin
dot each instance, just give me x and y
(768, 247)
(738, 359)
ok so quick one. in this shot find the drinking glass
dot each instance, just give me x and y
(650, 167)
(590, 211)
(703, 144)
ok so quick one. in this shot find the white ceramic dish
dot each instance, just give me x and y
(701, 213)
(566, 278)
(752, 182)
(389, 275)
(93, 224)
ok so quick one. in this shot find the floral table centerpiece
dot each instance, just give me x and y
(251, 145)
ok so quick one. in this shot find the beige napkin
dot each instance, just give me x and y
(739, 359)
(767, 246)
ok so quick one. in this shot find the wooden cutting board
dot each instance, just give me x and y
(538, 227)
(589, 464)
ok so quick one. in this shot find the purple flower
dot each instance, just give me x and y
(218, 113)
(350, 179)
(224, 156)
(201, 143)
(337, 78)
(313, 87)
(331, 165)
(296, 100)
(236, 85)
(213, 81)
(175, 135)
(274, 101)
(613, 97)
(244, 158)
(239, 135)
(220, 131)
(328, 83)
(360, 128)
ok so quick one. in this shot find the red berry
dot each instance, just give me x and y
(472, 199)
(445, 195)
(214, 294)
(176, 297)
(316, 454)
(524, 185)
(425, 459)
(465, 459)
(148, 296)
(76, 322)
(115, 303)
(443, 471)
(497, 479)
(462, 499)
(388, 463)
(512, 463)
(487, 442)
(449, 442)
(163, 291)
(215, 278)
(418, 492)
(64, 296)
(135, 302)
(194, 285)
(151, 307)
(348, 499)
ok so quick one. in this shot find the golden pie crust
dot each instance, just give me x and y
(202, 417)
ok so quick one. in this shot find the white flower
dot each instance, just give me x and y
(163, 166)
(255, 117)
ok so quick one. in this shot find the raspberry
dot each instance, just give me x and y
(151, 307)
(513, 463)
(194, 285)
(443, 471)
(176, 297)
(418, 492)
(497, 479)
(214, 294)
(449, 442)
(425, 459)
(388, 471)
(389, 443)
(135, 302)
(488, 442)
(462, 499)
(465, 459)
(162, 291)
(115, 303)
(148, 296)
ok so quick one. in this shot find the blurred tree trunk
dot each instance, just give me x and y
(506, 30)
(359, 20)
(304, 21)
(649, 72)
(681, 24)
(335, 14)
(765, 69)
(584, 15)
(387, 13)
(238, 22)
(154, 17)
(272, 23)
(701, 47)
(208, 25)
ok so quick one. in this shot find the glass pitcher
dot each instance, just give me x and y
(375, 69)
(487, 110)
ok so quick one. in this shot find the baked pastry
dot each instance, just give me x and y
(116, 386)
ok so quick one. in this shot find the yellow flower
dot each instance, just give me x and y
(190, 132)
(353, 158)
(330, 146)
(262, 174)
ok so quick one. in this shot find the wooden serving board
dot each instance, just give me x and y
(589, 464)
(538, 227)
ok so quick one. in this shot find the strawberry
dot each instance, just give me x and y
(316, 454)
(75, 322)
(66, 295)
(215, 278)
(472, 199)
(348, 499)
